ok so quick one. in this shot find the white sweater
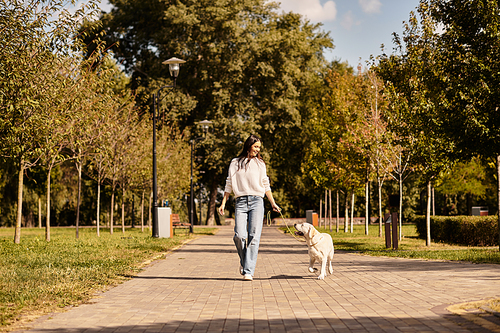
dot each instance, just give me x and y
(250, 179)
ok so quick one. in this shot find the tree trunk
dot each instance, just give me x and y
(212, 203)
(330, 204)
(98, 219)
(346, 213)
(352, 211)
(142, 211)
(200, 209)
(123, 210)
(39, 212)
(380, 219)
(112, 208)
(400, 206)
(150, 209)
(133, 210)
(79, 168)
(367, 206)
(338, 212)
(498, 197)
(326, 208)
(17, 234)
(428, 215)
(320, 210)
(433, 202)
(47, 223)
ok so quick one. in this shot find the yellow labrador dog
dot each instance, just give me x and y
(320, 247)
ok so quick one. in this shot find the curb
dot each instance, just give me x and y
(471, 315)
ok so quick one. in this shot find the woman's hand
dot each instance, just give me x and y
(269, 196)
(221, 209)
(223, 203)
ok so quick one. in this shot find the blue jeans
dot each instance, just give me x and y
(249, 218)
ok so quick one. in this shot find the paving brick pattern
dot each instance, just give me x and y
(198, 289)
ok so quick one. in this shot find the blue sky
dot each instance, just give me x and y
(358, 27)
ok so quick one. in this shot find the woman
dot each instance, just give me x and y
(248, 180)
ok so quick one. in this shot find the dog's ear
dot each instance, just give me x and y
(312, 231)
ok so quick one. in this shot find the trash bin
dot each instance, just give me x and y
(164, 223)
(309, 216)
(387, 225)
(391, 222)
(480, 211)
(312, 217)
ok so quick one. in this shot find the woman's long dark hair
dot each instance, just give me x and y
(245, 153)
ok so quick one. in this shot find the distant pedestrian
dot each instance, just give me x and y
(247, 178)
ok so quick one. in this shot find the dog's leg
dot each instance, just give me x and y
(323, 268)
(330, 267)
(311, 264)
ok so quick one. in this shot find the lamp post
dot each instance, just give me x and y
(174, 67)
(205, 124)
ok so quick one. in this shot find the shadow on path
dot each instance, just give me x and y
(361, 324)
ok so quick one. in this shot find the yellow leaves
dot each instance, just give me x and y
(265, 69)
(350, 122)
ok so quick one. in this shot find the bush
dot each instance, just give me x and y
(465, 230)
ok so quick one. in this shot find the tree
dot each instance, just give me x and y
(98, 169)
(415, 102)
(140, 177)
(399, 157)
(468, 76)
(471, 179)
(97, 138)
(173, 173)
(32, 42)
(59, 123)
(372, 136)
(247, 70)
(120, 151)
(334, 159)
(82, 135)
(457, 47)
(289, 81)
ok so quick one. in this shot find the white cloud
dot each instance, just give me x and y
(348, 21)
(370, 6)
(312, 9)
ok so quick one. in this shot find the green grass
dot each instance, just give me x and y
(38, 276)
(409, 247)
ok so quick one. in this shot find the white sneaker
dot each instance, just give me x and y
(248, 277)
(241, 270)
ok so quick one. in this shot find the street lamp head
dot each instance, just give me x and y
(205, 124)
(174, 65)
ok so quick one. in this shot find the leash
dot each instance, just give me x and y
(290, 231)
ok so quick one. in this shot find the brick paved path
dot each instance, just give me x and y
(198, 289)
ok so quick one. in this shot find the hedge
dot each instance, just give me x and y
(464, 230)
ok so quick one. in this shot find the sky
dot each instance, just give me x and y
(358, 27)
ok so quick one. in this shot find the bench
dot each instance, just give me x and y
(177, 224)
